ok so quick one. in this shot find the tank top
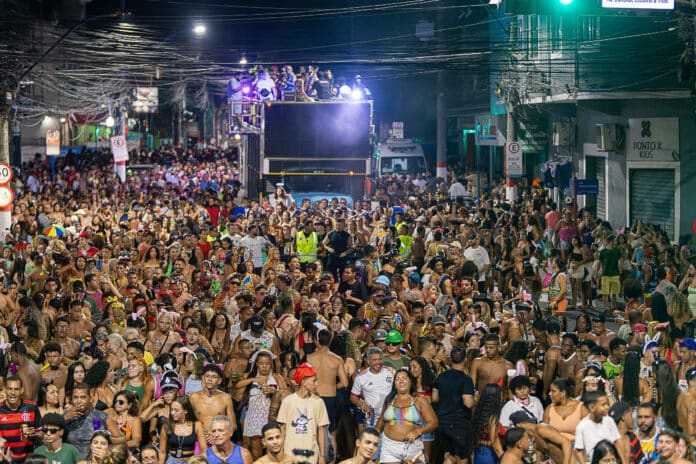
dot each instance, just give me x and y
(137, 390)
(185, 444)
(234, 458)
(395, 415)
(566, 426)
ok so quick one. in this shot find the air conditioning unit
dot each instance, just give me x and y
(561, 134)
(606, 137)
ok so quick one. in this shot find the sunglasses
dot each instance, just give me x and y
(393, 344)
(120, 402)
(234, 283)
(51, 431)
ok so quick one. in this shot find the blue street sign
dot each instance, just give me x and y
(585, 186)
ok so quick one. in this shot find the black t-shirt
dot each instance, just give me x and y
(358, 291)
(338, 240)
(451, 385)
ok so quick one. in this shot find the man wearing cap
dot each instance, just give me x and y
(261, 338)
(304, 417)
(393, 358)
(371, 387)
(686, 405)
(379, 339)
(439, 323)
(687, 361)
(329, 367)
(628, 445)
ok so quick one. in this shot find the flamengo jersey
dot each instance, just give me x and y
(11, 428)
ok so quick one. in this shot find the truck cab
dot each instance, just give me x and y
(399, 157)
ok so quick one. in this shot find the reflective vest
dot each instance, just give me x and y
(405, 243)
(306, 246)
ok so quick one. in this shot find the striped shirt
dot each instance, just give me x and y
(11, 421)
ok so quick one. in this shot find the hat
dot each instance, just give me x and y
(394, 336)
(618, 410)
(522, 417)
(688, 343)
(456, 244)
(256, 324)
(380, 335)
(414, 277)
(421, 219)
(639, 328)
(169, 382)
(438, 319)
(383, 280)
(304, 370)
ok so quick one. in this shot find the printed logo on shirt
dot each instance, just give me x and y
(301, 423)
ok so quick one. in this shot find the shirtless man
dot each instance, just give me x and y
(365, 447)
(56, 373)
(553, 354)
(600, 335)
(79, 327)
(27, 371)
(491, 368)
(686, 405)
(161, 340)
(274, 441)
(329, 367)
(413, 330)
(570, 365)
(516, 444)
(70, 346)
(513, 329)
(235, 366)
(211, 402)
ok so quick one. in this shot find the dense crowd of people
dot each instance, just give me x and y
(167, 320)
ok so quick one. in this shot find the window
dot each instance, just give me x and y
(403, 165)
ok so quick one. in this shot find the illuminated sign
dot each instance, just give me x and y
(639, 4)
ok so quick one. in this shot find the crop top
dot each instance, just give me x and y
(395, 415)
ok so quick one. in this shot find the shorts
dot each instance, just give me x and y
(331, 403)
(399, 451)
(456, 439)
(428, 437)
(563, 245)
(611, 285)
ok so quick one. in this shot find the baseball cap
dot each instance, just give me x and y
(522, 417)
(383, 280)
(438, 319)
(256, 324)
(688, 343)
(380, 335)
(618, 410)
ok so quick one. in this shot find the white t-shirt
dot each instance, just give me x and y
(255, 247)
(373, 388)
(535, 407)
(479, 256)
(588, 433)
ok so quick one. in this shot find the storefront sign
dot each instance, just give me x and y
(653, 139)
(52, 142)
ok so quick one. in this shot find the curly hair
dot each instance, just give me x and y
(487, 411)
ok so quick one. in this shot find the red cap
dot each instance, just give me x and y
(302, 371)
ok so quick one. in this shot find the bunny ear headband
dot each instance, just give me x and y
(651, 342)
(138, 313)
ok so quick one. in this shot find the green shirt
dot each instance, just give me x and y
(395, 364)
(610, 261)
(67, 454)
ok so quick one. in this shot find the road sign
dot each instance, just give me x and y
(513, 160)
(52, 142)
(119, 148)
(5, 173)
(585, 186)
(6, 196)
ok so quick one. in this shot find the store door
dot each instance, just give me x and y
(652, 198)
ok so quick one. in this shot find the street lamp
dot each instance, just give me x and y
(243, 60)
(199, 29)
(110, 122)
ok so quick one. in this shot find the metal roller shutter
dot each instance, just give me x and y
(600, 175)
(652, 197)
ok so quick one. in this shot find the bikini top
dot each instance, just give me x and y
(395, 415)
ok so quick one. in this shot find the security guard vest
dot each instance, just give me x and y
(306, 246)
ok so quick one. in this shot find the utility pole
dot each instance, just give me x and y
(441, 165)
(511, 135)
